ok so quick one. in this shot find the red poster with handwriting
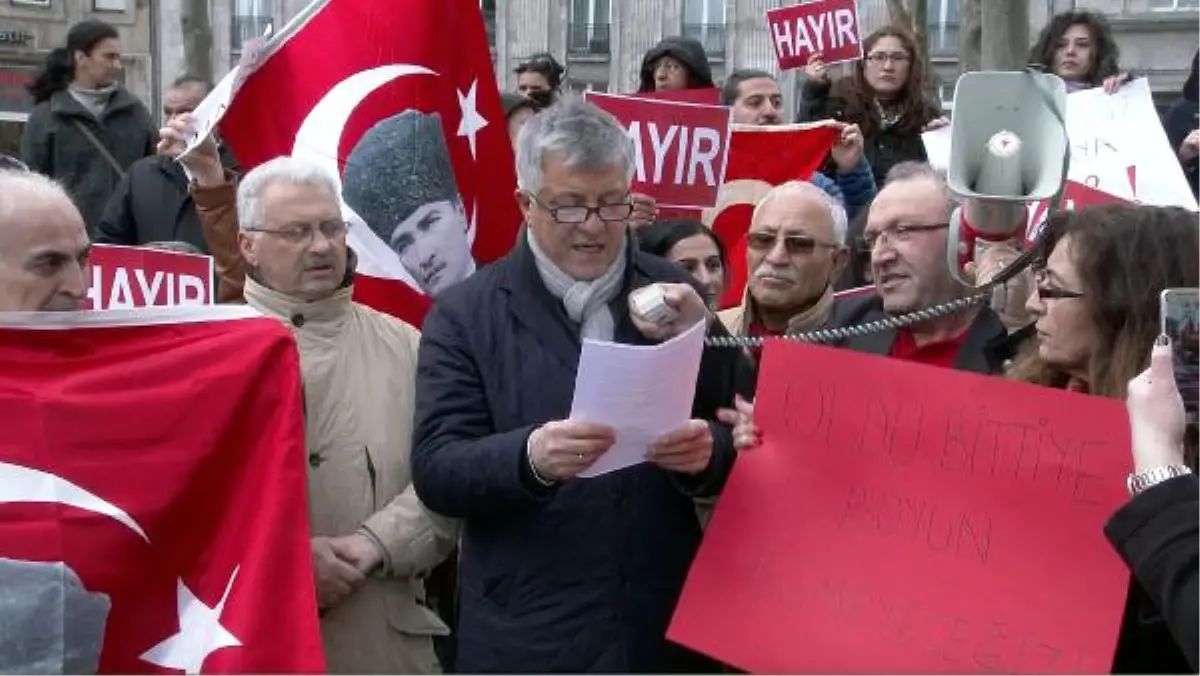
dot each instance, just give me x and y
(901, 518)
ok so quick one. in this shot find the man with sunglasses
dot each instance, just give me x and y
(906, 235)
(795, 251)
(561, 574)
(373, 542)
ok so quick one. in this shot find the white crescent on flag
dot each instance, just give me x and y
(318, 140)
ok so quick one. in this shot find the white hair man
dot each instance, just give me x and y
(372, 539)
(795, 251)
(561, 574)
(43, 245)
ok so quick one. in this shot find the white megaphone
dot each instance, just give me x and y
(1008, 147)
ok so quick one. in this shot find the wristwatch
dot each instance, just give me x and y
(1140, 481)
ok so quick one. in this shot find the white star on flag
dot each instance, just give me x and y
(200, 633)
(471, 121)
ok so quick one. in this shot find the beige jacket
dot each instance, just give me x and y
(359, 369)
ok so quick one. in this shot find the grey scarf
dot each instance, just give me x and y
(95, 100)
(586, 303)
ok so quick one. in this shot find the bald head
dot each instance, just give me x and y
(43, 245)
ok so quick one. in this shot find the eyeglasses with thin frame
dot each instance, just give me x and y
(616, 212)
(898, 233)
(302, 235)
(880, 58)
(794, 245)
(1046, 290)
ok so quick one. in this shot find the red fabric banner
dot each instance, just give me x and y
(161, 465)
(354, 63)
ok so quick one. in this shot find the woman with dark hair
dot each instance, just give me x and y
(1182, 124)
(693, 247)
(1078, 46)
(540, 77)
(1096, 305)
(884, 96)
(85, 128)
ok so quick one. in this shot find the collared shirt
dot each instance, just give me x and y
(938, 353)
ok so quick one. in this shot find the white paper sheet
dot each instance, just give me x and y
(937, 147)
(644, 392)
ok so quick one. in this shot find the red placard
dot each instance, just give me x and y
(709, 96)
(681, 148)
(1076, 195)
(126, 276)
(828, 26)
(955, 530)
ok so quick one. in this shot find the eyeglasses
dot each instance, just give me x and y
(301, 235)
(898, 233)
(1047, 291)
(879, 58)
(794, 245)
(573, 215)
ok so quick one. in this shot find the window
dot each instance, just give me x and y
(1174, 5)
(109, 5)
(588, 33)
(943, 27)
(704, 20)
(251, 18)
(489, 20)
(32, 3)
(946, 95)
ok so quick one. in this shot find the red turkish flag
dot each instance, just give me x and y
(385, 58)
(760, 158)
(158, 454)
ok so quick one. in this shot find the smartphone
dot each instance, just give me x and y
(1179, 313)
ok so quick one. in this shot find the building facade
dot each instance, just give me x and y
(602, 41)
(30, 29)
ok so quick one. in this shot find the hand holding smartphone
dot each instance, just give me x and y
(1179, 316)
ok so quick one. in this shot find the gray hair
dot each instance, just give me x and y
(282, 169)
(841, 224)
(20, 188)
(581, 135)
(912, 170)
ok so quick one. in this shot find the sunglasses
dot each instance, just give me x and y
(795, 245)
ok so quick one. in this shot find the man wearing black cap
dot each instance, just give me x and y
(400, 181)
(675, 63)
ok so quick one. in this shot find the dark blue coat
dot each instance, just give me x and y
(578, 578)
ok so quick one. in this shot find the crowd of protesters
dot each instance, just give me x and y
(449, 530)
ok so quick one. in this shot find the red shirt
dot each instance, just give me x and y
(940, 353)
(756, 330)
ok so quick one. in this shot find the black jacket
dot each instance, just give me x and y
(687, 51)
(52, 144)
(1181, 119)
(581, 577)
(152, 204)
(1157, 535)
(980, 351)
(883, 149)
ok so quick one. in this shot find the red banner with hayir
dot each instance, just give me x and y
(128, 277)
(959, 530)
(681, 149)
(153, 509)
(829, 28)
